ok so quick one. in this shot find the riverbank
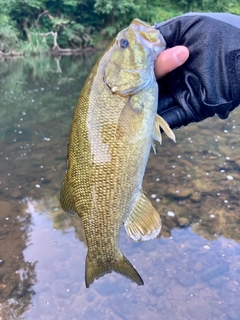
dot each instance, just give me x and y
(100, 45)
(59, 52)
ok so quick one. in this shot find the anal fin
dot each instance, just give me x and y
(144, 222)
(160, 122)
(66, 201)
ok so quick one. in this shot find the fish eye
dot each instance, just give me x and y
(124, 43)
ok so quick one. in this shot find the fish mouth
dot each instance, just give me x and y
(148, 36)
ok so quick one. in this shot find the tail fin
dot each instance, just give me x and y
(122, 266)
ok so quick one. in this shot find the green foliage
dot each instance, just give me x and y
(116, 14)
(155, 10)
(82, 23)
(8, 37)
(8, 32)
(232, 6)
(37, 44)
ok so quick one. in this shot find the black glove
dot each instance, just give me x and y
(208, 82)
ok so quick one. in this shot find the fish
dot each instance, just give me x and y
(114, 125)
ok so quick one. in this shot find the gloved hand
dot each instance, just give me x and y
(208, 82)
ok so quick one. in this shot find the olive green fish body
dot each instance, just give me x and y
(112, 131)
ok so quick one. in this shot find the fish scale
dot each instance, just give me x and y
(113, 127)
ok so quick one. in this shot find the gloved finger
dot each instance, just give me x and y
(175, 117)
(165, 102)
(173, 29)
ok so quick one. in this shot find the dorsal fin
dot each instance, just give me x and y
(144, 222)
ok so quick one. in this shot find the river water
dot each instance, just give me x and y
(191, 271)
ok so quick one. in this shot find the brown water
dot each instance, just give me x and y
(192, 271)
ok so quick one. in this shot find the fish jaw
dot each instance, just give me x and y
(131, 69)
(149, 37)
(145, 40)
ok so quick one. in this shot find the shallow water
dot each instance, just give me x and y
(192, 271)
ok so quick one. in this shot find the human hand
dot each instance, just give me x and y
(208, 82)
(170, 59)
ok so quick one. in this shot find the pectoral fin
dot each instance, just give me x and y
(143, 223)
(160, 122)
(66, 200)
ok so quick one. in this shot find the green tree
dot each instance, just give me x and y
(40, 25)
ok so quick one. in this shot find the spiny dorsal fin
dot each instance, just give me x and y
(122, 266)
(144, 222)
(66, 200)
(160, 122)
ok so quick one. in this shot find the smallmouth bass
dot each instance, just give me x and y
(114, 124)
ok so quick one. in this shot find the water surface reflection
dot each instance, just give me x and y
(191, 272)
